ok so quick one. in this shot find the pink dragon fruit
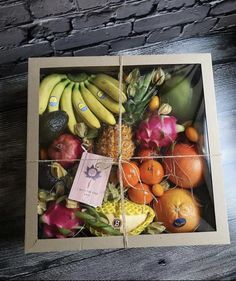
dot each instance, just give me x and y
(158, 131)
(60, 221)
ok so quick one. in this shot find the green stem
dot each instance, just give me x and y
(84, 216)
(94, 222)
(81, 77)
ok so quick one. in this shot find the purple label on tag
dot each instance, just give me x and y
(91, 179)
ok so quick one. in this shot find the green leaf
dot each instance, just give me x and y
(61, 199)
(81, 129)
(145, 85)
(92, 211)
(112, 193)
(132, 90)
(133, 76)
(92, 133)
(85, 216)
(103, 217)
(64, 231)
(155, 228)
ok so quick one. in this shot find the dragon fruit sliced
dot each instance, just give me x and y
(60, 221)
(158, 131)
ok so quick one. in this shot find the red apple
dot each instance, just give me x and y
(65, 147)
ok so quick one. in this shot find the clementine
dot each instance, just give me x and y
(178, 210)
(151, 172)
(130, 174)
(140, 194)
(192, 134)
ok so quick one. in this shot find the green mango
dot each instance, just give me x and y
(184, 100)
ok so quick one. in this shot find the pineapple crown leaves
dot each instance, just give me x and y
(138, 85)
(140, 90)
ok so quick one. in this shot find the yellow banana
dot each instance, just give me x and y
(105, 100)
(82, 109)
(112, 80)
(101, 81)
(96, 107)
(45, 89)
(54, 100)
(66, 105)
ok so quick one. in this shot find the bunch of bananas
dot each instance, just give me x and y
(90, 99)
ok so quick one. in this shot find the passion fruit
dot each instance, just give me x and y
(46, 180)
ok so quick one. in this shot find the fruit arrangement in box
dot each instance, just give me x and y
(147, 125)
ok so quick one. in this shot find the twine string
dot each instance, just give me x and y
(132, 158)
(125, 237)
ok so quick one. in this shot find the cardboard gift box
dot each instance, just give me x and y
(174, 196)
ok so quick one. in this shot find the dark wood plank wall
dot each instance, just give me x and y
(170, 263)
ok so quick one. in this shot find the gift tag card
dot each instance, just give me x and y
(91, 179)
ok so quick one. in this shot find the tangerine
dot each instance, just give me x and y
(154, 103)
(178, 210)
(140, 194)
(130, 174)
(192, 134)
(151, 172)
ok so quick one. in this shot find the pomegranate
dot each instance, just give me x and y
(65, 149)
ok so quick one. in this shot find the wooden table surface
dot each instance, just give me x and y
(170, 263)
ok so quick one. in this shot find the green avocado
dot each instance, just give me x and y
(52, 125)
(178, 92)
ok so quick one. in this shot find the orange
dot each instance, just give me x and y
(158, 190)
(192, 134)
(186, 172)
(130, 174)
(140, 194)
(146, 154)
(178, 210)
(151, 172)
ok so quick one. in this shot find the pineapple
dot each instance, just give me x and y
(108, 142)
(140, 90)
